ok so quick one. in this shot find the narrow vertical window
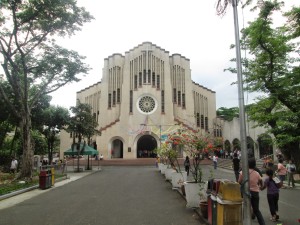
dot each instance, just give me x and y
(162, 101)
(183, 100)
(140, 79)
(202, 122)
(144, 77)
(114, 98)
(158, 82)
(109, 101)
(118, 95)
(206, 123)
(174, 96)
(179, 97)
(149, 76)
(130, 101)
(153, 79)
(135, 81)
(198, 119)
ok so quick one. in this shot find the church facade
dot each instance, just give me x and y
(143, 96)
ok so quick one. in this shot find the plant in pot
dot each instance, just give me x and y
(162, 154)
(175, 146)
(196, 144)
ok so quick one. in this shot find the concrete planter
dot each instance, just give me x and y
(169, 172)
(193, 193)
(163, 168)
(178, 179)
(159, 166)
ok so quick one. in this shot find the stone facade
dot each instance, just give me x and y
(142, 97)
(257, 145)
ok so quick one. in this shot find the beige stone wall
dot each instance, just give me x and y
(231, 130)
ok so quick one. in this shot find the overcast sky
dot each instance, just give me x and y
(188, 27)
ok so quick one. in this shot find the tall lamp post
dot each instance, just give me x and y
(245, 167)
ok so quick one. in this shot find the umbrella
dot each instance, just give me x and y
(88, 150)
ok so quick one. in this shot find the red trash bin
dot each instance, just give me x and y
(43, 179)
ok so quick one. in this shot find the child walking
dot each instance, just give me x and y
(272, 193)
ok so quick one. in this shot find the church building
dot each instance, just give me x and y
(143, 96)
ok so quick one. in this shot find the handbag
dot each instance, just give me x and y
(278, 182)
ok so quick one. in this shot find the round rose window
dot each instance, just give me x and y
(146, 104)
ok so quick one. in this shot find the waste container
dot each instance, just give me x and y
(229, 212)
(229, 190)
(43, 179)
(212, 210)
(49, 178)
(52, 176)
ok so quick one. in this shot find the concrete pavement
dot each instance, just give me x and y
(102, 194)
(118, 195)
(18, 198)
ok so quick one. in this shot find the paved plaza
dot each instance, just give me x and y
(121, 195)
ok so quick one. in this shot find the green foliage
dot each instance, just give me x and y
(15, 185)
(273, 70)
(40, 145)
(33, 64)
(82, 123)
(228, 113)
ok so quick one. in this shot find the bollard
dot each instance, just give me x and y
(52, 176)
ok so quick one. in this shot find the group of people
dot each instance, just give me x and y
(272, 182)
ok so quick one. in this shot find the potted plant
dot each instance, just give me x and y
(162, 154)
(175, 144)
(196, 144)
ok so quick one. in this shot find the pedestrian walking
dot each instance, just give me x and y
(236, 166)
(187, 165)
(272, 193)
(291, 170)
(255, 182)
(215, 161)
(13, 165)
(281, 171)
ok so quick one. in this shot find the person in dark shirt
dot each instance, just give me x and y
(236, 166)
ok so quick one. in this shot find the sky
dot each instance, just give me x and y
(190, 28)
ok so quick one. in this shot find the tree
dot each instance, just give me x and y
(83, 126)
(33, 64)
(228, 113)
(274, 71)
(54, 119)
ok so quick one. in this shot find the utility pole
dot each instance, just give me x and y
(245, 168)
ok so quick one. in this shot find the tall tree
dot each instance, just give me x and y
(82, 125)
(273, 70)
(34, 65)
(54, 119)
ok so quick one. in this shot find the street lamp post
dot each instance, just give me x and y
(245, 168)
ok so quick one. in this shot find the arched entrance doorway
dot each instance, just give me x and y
(145, 146)
(265, 145)
(117, 149)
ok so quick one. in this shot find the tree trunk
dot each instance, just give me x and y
(27, 158)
